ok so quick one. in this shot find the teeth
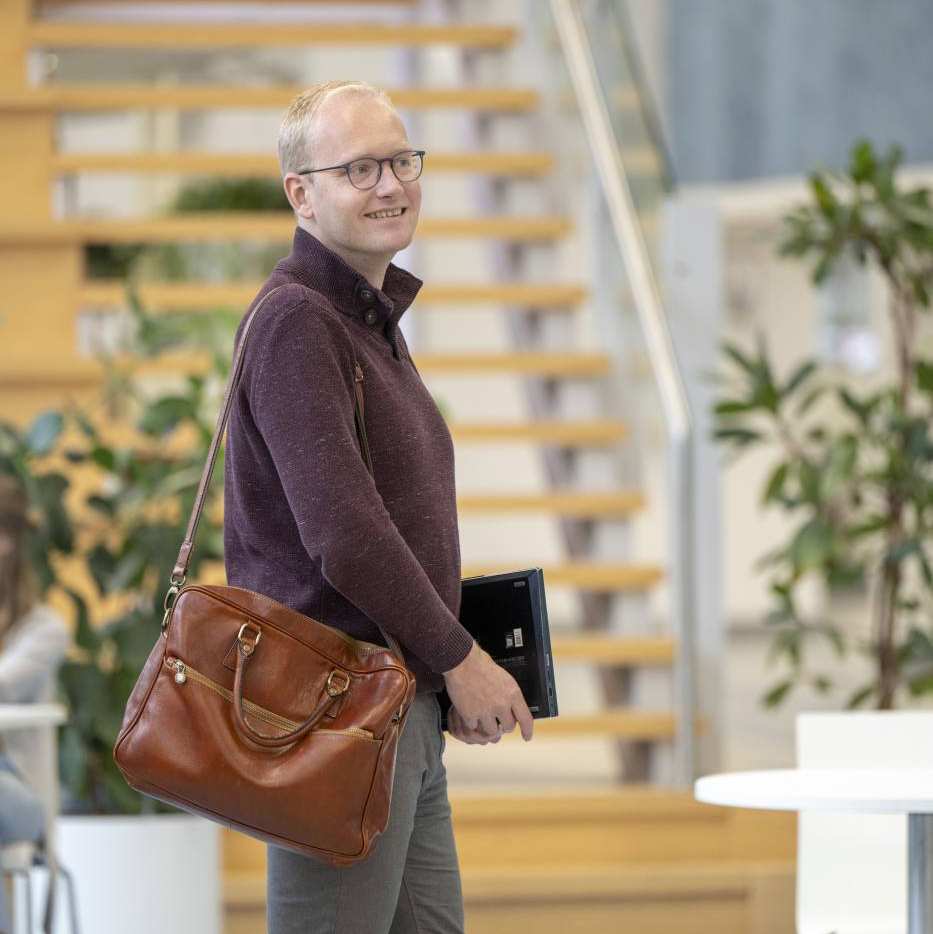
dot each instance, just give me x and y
(391, 213)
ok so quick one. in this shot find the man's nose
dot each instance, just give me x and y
(388, 184)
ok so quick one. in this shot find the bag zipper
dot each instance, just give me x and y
(183, 672)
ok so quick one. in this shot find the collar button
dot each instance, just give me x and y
(367, 295)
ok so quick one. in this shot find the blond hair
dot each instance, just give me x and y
(296, 133)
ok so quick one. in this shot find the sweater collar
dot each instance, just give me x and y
(320, 268)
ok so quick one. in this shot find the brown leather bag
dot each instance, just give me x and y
(261, 718)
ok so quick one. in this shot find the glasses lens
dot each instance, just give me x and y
(407, 166)
(363, 172)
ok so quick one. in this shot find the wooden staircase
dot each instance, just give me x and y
(581, 860)
(41, 262)
(634, 859)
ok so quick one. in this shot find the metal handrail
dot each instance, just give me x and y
(667, 373)
(649, 111)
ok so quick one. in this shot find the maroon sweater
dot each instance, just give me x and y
(304, 521)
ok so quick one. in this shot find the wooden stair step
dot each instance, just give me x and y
(240, 164)
(538, 363)
(270, 225)
(84, 371)
(694, 898)
(597, 576)
(621, 651)
(618, 723)
(577, 503)
(186, 35)
(578, 432)
(616, 579)
(50, 4)
(195, 295)
(616, 825)
(555, 883)
(81, 97)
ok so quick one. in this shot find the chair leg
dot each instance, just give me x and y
(27, 875)
(72, 899)
(27, 879)
(44, 856)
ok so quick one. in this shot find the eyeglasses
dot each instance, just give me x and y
(365, 173)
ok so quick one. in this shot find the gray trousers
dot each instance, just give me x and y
(410, 882)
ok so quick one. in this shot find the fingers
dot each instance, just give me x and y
(525, 719)
(467, 734)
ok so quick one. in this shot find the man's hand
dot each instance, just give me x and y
(459, 730)
(487, 699)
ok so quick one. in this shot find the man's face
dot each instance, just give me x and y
(347, 127)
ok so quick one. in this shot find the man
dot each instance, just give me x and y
(308, 525)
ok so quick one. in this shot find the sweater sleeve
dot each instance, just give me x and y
(303, 367)
(31, 659)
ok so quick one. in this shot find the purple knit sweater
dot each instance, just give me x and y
(304, 521)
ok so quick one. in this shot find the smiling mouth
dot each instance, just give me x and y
(388, 213)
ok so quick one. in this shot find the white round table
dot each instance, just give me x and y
(874, 791)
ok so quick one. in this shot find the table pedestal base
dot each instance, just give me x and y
(920, 874)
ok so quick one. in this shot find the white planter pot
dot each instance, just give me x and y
(145, 875)
(852, 868)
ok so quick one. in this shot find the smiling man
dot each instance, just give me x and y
(308, 525)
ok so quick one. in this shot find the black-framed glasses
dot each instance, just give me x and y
(365, 173)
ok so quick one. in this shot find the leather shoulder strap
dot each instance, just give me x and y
(180, 571)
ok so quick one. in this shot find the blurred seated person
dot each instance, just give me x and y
(33, 641)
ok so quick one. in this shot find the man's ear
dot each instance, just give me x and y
(299, 195)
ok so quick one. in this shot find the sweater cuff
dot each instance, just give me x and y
(451, 650)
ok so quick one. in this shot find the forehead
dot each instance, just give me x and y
(349, 125)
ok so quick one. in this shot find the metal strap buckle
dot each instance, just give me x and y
(168, 603)
(335, 690)
(249, 647)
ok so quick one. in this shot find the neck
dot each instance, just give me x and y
(371, 267)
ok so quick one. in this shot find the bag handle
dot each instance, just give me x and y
(180, 571)
(244, 653)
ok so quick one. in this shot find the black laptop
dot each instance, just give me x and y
(507, 615)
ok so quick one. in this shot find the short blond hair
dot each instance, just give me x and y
(296, 138)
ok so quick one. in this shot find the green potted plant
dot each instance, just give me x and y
(127, 532)
(853, 463)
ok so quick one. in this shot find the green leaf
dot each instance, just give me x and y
(50, 490)
(733, 407)
(774, 488)
(836, 640)
(840, 464)
(869, 526)
(925, 376)
(43, 432)
(862, 165)
(165, 414)
(85, 635)
(857, 698)
(803, 372)
(101, 562)
(776, 694)
(104, 457)
(825, 199)
(744, 362)
(921, 685)
(811, 545)
(806, 403)
(72, 759)
(739, 436)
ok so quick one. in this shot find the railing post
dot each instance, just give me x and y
(665, 367)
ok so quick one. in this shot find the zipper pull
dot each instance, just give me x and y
(180, 676)
(359, 373)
